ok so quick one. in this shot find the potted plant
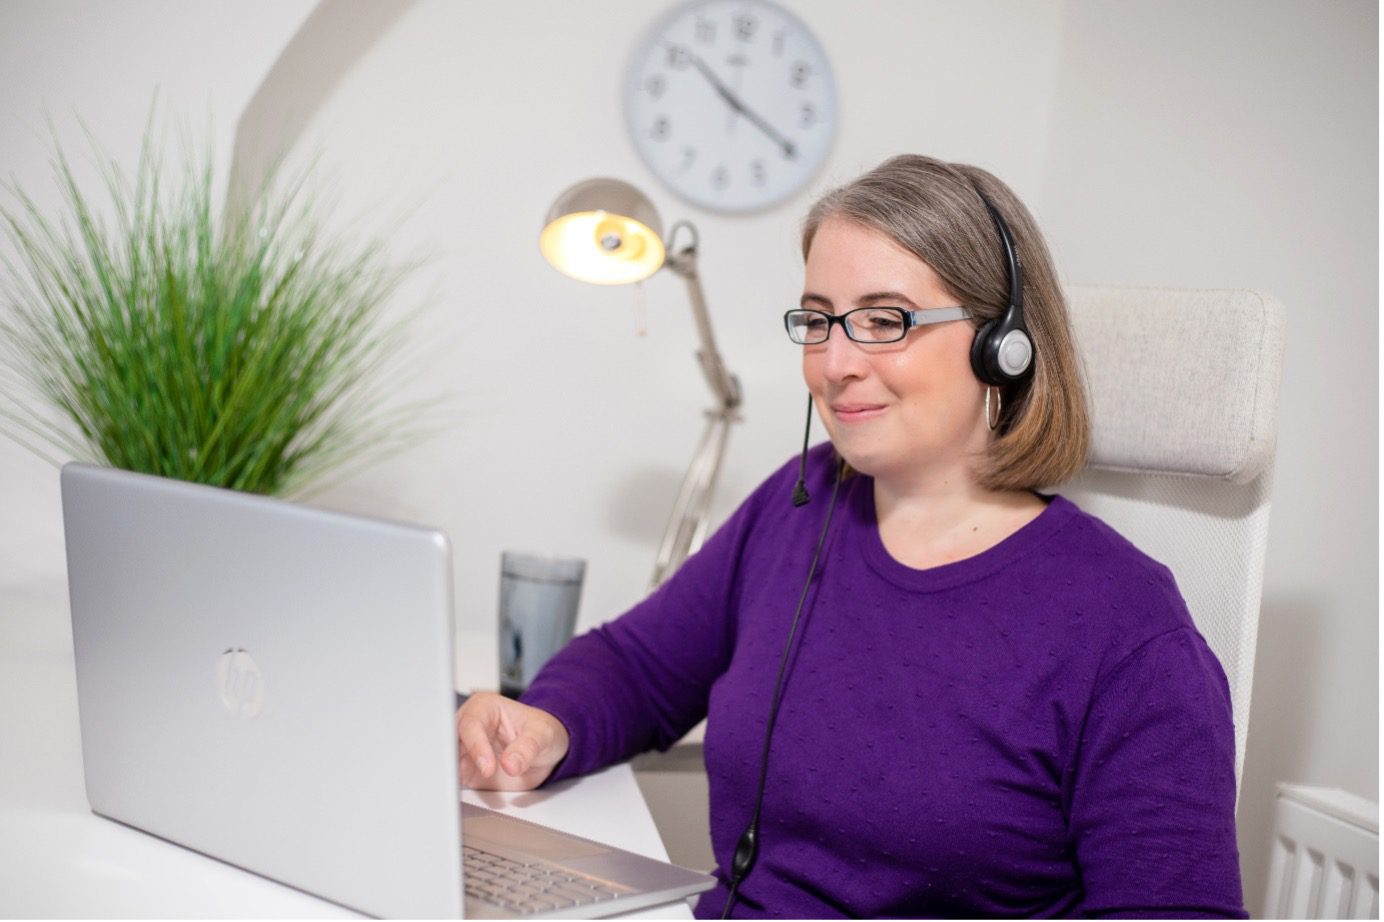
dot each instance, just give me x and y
(155, 332)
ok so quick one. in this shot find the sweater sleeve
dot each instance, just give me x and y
(1152, 803)
(643, 680)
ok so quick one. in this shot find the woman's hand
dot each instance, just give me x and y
(507, 746)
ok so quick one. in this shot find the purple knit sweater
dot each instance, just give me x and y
(1038, 730)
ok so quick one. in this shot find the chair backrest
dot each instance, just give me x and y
(1183, 389)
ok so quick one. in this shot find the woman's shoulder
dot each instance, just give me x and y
(1115, 603)
(817, 468)
(1091, 538)
(767, 505)
(1094, 558)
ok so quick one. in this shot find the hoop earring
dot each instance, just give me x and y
(989, 422)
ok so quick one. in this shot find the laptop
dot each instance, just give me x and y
(271, 685)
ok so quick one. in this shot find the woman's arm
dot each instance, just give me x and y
(636, 683)
(642, 681)
(1152, 793)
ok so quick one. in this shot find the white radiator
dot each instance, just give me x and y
(1325, 862)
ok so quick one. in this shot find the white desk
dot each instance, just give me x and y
(57, 859)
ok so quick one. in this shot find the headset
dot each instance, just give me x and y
(1002, 352)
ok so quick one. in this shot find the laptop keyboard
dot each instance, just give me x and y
(527, 887)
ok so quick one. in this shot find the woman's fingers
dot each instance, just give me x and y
(521, 753)
(522, 742)
(477, 721)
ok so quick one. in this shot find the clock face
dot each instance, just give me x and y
(731, 103)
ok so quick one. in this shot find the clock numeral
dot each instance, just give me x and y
(808, 115)
(798, 74)
(706, 31)
(779, 36)
(661, 129)
(758, 174)
(745, 26)
(689, 154)
(656, 84)
(678, 57)
(720, 177)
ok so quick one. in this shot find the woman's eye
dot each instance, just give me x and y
(815, 324)
(885, 322)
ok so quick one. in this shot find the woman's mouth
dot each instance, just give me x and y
(856, 412)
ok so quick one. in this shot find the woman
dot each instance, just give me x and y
(990, 703)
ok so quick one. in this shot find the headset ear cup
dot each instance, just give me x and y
(1013, 355)
(978, 350)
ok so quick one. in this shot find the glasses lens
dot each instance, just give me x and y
(875, 324)
(807, 327)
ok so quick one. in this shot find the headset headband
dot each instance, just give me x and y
(1002, 352)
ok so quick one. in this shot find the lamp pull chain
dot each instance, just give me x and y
(641, 326)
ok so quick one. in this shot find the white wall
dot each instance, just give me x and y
(1219, 144)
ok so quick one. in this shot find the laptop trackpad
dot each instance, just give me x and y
(526, 837)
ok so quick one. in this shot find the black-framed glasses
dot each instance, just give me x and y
(808, 327)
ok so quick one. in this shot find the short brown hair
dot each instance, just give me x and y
(932, 209)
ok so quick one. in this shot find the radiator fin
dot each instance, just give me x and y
(1325, 857)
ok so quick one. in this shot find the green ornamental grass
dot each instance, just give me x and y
(243, 350)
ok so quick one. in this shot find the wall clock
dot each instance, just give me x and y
(731, 103)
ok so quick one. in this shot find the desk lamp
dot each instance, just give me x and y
(607, 232)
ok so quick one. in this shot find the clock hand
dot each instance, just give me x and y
(786, 145)
(734, 102)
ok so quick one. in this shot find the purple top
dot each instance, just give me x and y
(1038, 730)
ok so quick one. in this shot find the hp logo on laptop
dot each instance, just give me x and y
(241, 684)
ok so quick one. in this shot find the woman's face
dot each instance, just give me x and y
(898, 409)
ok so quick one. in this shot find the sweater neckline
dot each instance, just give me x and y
(1013, 548)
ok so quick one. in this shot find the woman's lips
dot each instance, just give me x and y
(856, 412)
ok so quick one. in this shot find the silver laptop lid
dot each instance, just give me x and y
(213, 630)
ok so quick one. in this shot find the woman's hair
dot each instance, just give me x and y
(933, 210)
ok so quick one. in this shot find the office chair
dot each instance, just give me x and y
(1183, 391)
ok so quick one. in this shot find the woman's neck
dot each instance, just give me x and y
(943, 515)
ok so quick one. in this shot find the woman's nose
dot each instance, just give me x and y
(842, 357)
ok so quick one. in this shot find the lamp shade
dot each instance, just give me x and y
(603, 231)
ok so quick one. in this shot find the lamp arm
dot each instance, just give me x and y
(724, 385)
(687, 524)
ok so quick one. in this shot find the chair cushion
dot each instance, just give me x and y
(1180, 381)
